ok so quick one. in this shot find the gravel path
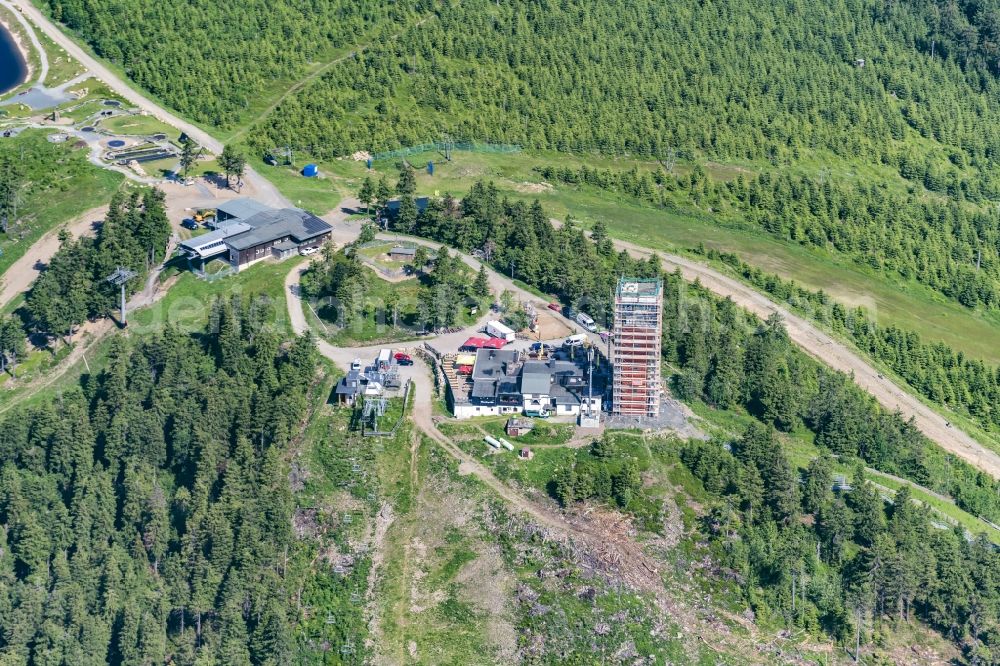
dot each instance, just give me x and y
(836, 355)
(266, 191)
(811, 339)
(18, 278)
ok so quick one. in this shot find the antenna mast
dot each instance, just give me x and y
(590, 381)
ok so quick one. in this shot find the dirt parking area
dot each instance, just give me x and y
(184, 200)
(551, 327)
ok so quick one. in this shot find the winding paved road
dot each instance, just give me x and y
(804, 333)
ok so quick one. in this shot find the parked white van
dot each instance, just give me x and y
(585, 320)
(575, 340)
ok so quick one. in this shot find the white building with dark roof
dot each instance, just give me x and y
(504, 382)
(247, 232)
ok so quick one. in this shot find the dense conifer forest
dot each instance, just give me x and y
(850, 553)
(147, 511)
(831, 560)
(212, 61)
(728, 80)
(74, 288)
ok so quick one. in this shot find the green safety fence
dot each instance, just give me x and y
(442, 147)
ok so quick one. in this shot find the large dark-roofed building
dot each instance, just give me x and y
(238, 209)
(248, 231)
(504, 382)
(278, 233)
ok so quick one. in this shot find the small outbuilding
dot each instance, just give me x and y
(355, 384)
(399, 253)
(526, 454)
(518, 426)
(349, 388)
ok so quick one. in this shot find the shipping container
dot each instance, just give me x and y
(500, 330)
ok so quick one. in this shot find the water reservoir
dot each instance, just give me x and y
(12, 67)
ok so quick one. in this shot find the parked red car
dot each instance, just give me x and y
(403, 359)
(555, 307)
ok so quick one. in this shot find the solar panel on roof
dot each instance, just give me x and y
(314, 225)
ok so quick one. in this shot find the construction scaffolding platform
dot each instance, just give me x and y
(635, 352)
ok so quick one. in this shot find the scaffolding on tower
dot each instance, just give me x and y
(638, 326)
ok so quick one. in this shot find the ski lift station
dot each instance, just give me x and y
(247, 231)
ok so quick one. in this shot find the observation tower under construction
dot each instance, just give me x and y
(635, 350)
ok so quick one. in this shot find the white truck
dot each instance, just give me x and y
(585, 320)
(498, 329)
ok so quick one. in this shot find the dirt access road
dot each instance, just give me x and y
(610, 542)
(266, 191)
(833, 353)
(180, 200)
(18, 278)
